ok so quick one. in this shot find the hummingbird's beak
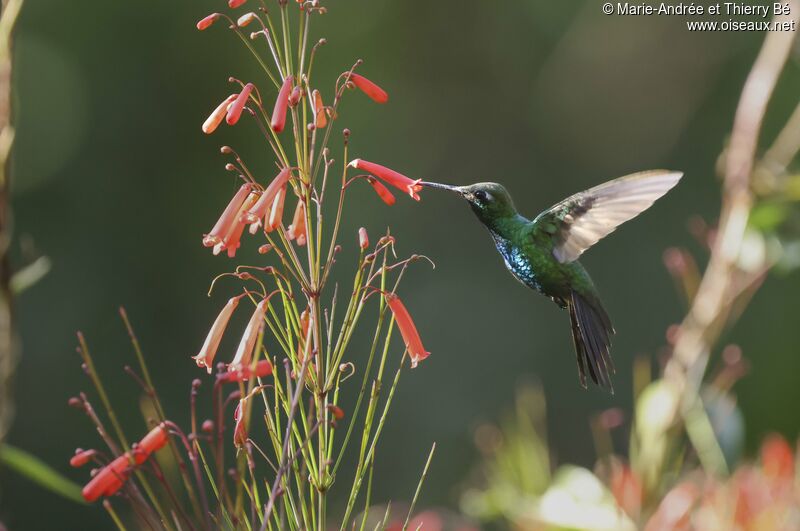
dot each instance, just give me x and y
(441, 186)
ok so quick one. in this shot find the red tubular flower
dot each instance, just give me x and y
(152, 442)
(263, 368)
(206, 22)
(297, 230)
(230, 241)
(216, 117)
(777, 458)
(383, 192)
(276, 212)
(264, 249)
(320, 120)
(209, 349)
(233, 4)
(109, 480)
(227, 218)
(363, 238)
(245, 351)
(407, 328)
(279, 112)
(236, 108)
(81, 457)
(396, 179)
(369, 88)
(338, 413)
(261, 207)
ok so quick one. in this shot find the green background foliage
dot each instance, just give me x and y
(115, 183)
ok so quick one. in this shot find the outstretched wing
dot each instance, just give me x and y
(583, 219)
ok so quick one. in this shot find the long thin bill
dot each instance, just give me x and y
(441, 186)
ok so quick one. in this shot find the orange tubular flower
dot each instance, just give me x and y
(152, 442)
(369, 88)
(206, 22)
(363, 238)
(230, 241)
(209, 349)
(261, 207)
(297, 230)
(263, 368)
(236, 108)
(227, 218)
(276, 212)
(383, 192)
(320, 120)
(407, 328)
(281, 104)
(245, 351)
(81, 457)
(109, 480)
(336, 411)
(216, 117)
(396, 179)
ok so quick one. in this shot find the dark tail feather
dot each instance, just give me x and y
(591, 333)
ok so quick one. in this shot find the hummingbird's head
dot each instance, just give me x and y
(489, 201)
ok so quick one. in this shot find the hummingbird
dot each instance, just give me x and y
(543, 254)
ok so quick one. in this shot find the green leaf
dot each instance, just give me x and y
(767, 216)
(39, 472)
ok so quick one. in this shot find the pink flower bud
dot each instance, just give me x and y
(233, 4)
(279, 112)
(206, 22)
(294, 97)
(81, 457)
(236, 108)
(246, 19)
(217, 115)
(363, 238)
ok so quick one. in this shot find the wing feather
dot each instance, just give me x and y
(587, 217)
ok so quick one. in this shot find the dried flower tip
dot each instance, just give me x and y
(81, 457)
(236, 108)
(336, 411)
(246, 19)
(233, 4)
(209, 349)
(207, 21)
(320, 120)
(294, 97)
(244, 352)
(75, 402)
(207, 426)
(279, 112)
(227, 218)
(217, 115)
(346, 133)
(369, 88)
(264, 249)
(363, 238)
(240, 425)
(311, 128)
(226, 150)
(407, 328)
(396, 179)
(383, 192)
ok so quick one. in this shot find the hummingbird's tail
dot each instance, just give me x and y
(591, 333)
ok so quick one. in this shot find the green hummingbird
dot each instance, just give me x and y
(543, 253)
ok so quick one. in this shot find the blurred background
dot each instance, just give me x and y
(115, 183)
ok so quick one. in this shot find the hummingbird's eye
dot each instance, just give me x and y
(482, 197)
